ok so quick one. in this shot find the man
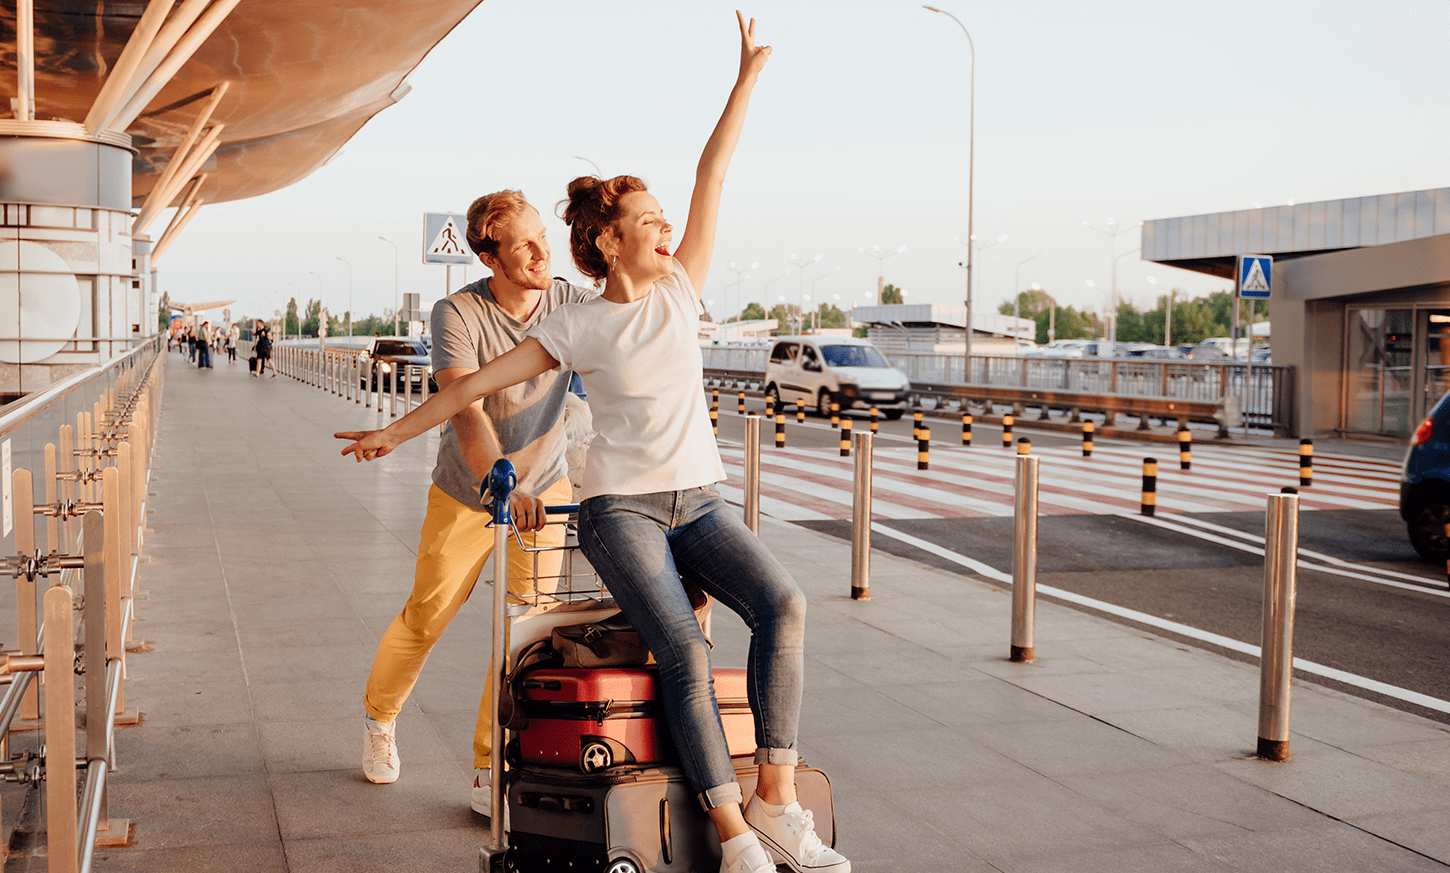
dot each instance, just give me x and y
(524, 424)
(204, 340)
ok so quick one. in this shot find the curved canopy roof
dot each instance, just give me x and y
(304, 76)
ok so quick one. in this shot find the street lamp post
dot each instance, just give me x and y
(741, 274)
(1167, 313)
(801, 291)
(785, 275)
(395, 282)
(1114, 232)
(813, 293)
(880, 274)
(1017, 285)
(971, 161)
(349, 294)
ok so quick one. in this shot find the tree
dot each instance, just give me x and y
(832, 316)
(891, 294)
(1039, 306)
(786, 317)
(751, 312)
(163, 313)
(292, 326)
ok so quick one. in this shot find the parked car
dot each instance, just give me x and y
(391, 354)
(1063, 348)
(1154, 353)
(846, 370)
(1425, 485)
(1220, 347)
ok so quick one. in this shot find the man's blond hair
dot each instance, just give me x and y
(488, 214)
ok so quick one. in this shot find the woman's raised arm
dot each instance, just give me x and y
(520, 363)
(698, 243)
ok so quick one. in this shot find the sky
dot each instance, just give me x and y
(858, 136)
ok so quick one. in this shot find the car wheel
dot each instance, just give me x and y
(772, 396)
(1427, 528)
(823, 405)
(894, 414)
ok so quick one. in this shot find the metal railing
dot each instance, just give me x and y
(348, 374)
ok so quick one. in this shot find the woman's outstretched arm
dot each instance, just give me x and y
(521, 363)
(698, 243)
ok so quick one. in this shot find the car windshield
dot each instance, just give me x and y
(394, 347)
(853, 356)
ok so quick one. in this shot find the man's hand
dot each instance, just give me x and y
(367, 445)
(527, 511)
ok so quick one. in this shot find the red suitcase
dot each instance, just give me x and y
(596, 718)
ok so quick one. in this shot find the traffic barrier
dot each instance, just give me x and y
(1276, 659)
(1185, 449)
(861, 520)
(916, 425)
(1306, 463)
(769, 408)
(800, 410)
(923, 448)
(1087, 439)
(715, 417)
(780, 427)
(835, 414)
(845, 437)
(740, 403)
(1007, 431)
(875, 417)
(1024, 559)
(966, 428)
(1150, 486)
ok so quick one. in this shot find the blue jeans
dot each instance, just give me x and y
(640, 544)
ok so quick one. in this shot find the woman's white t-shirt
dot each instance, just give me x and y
(642, 367)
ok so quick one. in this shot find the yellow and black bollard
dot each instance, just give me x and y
(1306, 463)
(1185, 449)
(740, 403)
(715, 399)
(966, 428)
(916, 425)
(780, 427)
(800, 410)
(845, 437)
(1007, 431)
(835, 414)
(875, 417)
(769, 408)
(1087, 439)
(715, 419)
(923, 448)
(1150, 485)
(1024, 446)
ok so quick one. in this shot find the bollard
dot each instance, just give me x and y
(1185, 448)
(835, 414)
(923, 448)
(845, 437)
(966, 429)
(715, 399)
(1306, 463)
(780, 427)
(1024, 559)
(752, 473)
(1150, 485)
(769, 408)
(861, 520)
(1087, 439)
(916, 425)
(1024, 446)
(715, 419)
(875, 418)
(1276, 660)
(800, 410)
(740, 403)
(1007, 431)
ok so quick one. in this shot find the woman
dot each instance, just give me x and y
(648, 508)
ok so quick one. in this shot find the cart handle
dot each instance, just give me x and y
(500, 482)
(562, 509)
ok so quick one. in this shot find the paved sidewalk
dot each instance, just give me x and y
(276, 564)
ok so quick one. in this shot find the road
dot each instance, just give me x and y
(1371, 616)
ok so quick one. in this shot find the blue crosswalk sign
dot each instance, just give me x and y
(1255, 276)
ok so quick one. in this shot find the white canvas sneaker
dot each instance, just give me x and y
(482, 800)
(380, 751)
(753, 860)
(791, 838)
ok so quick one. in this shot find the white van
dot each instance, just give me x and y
(822, 369)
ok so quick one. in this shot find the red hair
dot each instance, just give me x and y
(591, 208)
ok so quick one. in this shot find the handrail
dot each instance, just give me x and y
(31, 405)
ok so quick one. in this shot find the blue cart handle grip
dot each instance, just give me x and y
(500, 483)
(562, 509)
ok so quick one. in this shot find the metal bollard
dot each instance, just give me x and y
(875, 418)
(752, 473)
(780, 427)
(861, 520)
(1185, 449)
(1276, 660)
(966, 428)
(923, 448)
(1087, 439)
(1306, 463)
(1150, 486)
(835, 415)
(1024, 446)
(845, 437)
(1024, 559)
(740, 403)
(1007, 431)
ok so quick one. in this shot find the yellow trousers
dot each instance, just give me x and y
(453, 549)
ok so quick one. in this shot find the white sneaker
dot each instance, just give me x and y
(380, 751)
(482, 801)
(791, 837)
(753, 860)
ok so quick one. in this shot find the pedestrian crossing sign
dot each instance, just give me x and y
(443, 239)
(1255, 276)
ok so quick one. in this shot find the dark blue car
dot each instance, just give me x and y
(1425, 485)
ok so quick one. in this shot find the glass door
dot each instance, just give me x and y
(1436, 376)
(1381, 370)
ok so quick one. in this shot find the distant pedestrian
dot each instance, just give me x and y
(233, 334)
(263, 351)
(191, 343)
(204, 340)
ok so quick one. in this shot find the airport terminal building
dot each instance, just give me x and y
(1360, 303)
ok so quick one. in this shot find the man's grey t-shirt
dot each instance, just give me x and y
(469, 330)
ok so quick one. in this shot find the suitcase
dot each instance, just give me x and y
(629, 819)
(252, 364)
(593, 719)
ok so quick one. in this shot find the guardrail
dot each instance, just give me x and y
(350, 375)
(92, 497)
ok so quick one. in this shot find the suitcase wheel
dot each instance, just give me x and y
(621, 865)
(593, 758)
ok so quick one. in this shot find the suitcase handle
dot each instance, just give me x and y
(556, 802)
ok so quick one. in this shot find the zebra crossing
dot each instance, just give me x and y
(816, 484)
